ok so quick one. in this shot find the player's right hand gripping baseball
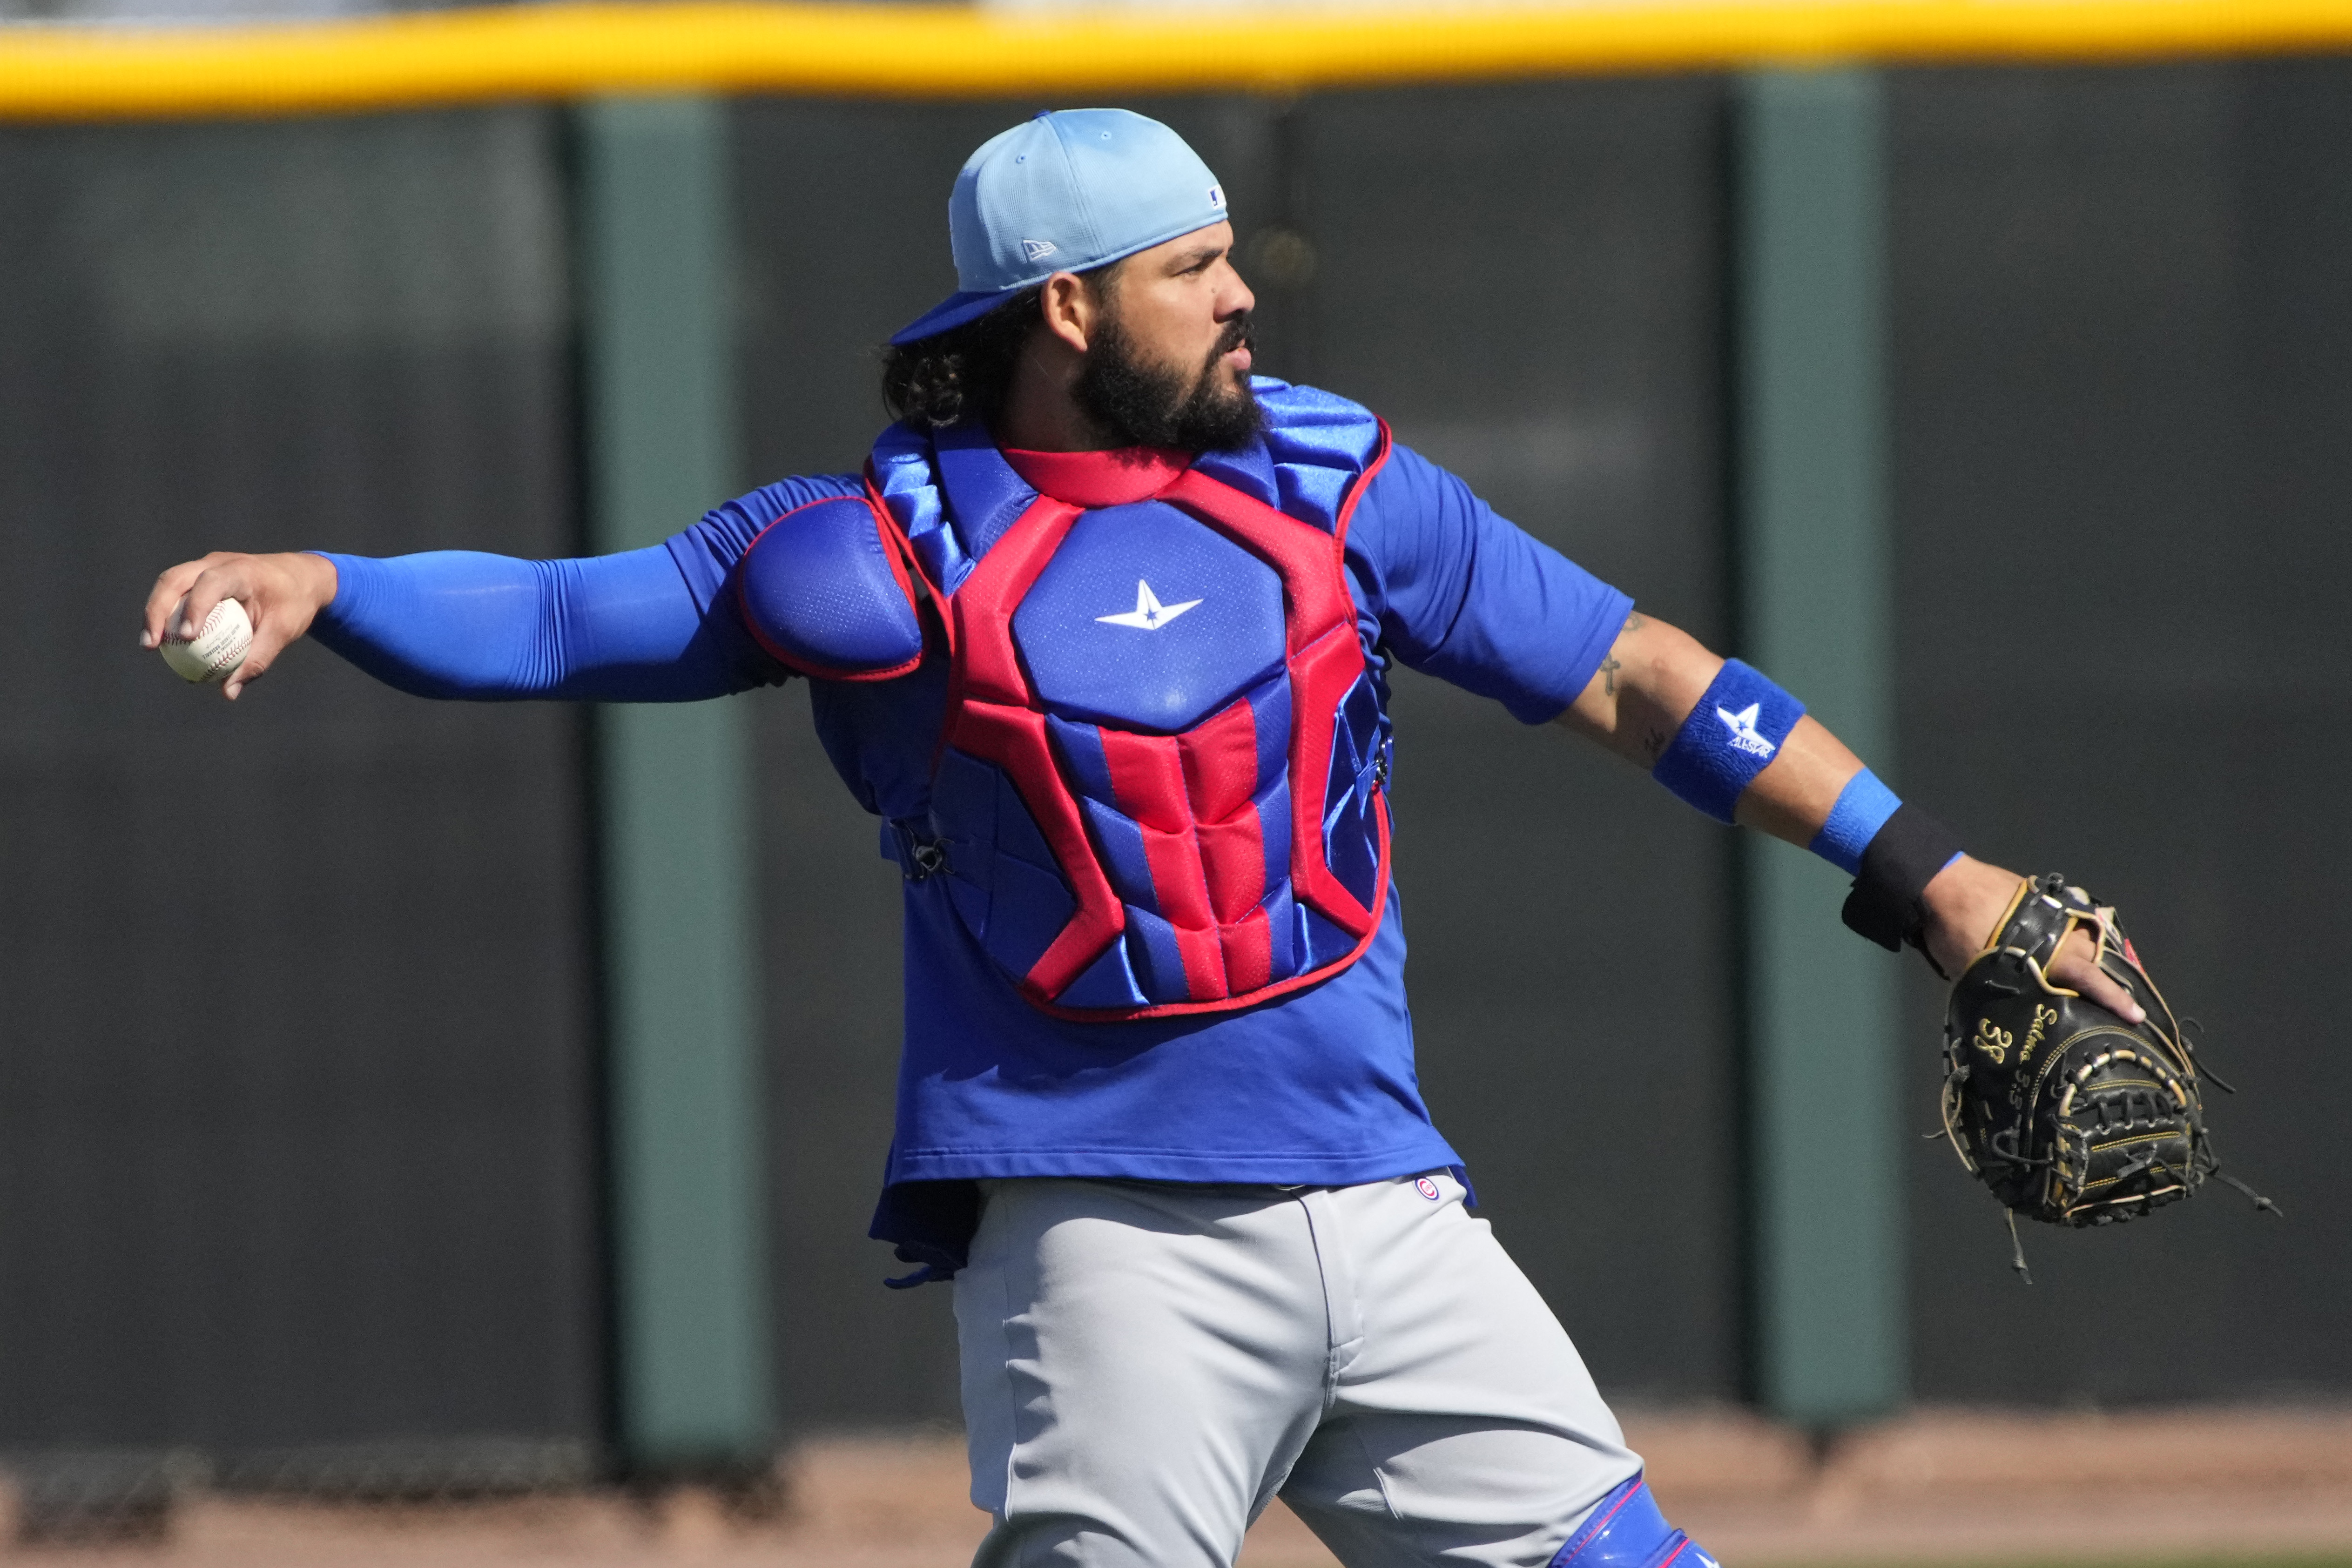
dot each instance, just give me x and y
(280, 593)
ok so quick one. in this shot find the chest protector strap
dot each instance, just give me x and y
(1202, 863)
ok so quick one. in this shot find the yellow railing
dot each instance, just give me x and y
(928, 51)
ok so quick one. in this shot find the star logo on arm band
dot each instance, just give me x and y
(1149, 614)
(1742, 726)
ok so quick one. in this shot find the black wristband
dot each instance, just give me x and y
(1901, 859)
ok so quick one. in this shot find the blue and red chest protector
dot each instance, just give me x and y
(1158, 783)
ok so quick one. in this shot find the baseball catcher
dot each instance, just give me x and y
(1101, 630)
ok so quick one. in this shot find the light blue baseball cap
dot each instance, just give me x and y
(1072, 189)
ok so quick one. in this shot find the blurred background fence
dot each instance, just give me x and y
(316, 1155)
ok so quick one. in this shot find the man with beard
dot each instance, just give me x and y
(1101, 633)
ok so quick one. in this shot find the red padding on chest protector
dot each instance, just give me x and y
(1014, 739)
(1147, 773)
(989, 666)
(1219, 761)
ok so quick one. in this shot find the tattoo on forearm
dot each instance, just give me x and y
(1609, 668)
(1634, 622)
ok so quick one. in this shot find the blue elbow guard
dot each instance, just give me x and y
(1625, 1529)
(1736, 729)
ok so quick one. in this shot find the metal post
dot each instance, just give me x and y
(1814, 587)
(690, 1275)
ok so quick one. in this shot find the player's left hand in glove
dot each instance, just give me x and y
(2070, 1113)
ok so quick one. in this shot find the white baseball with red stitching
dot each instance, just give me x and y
(218, 647)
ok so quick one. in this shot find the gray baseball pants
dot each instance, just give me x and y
(1145, 1367)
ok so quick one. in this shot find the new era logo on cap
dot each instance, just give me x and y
(1039, 249)
(1217, 196)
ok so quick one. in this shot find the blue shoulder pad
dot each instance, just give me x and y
(825, 590)
(1315, 448)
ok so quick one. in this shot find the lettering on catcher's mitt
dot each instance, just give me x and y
(2070, 1116)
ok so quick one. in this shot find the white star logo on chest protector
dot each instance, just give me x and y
(1149, 614)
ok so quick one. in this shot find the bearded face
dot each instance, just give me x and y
(1202, 407)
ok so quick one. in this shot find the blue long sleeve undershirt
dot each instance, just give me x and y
(460, 624)
(644, 625)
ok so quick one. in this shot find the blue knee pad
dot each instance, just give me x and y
(1625, 1529)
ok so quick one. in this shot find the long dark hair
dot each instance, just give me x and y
(964, 372)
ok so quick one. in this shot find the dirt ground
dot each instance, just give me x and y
(1935, 1487)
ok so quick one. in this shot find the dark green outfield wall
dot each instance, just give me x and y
(317, 1163)
(296, 1098)
(2123, 384)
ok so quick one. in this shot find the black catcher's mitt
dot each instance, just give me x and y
(2070, 1116)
